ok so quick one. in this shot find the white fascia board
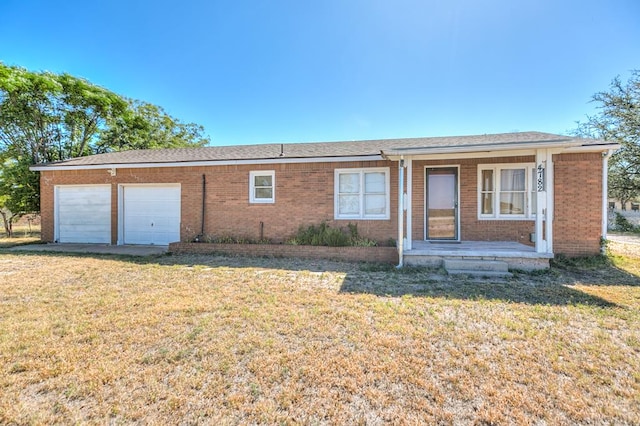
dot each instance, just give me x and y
(487, 152)
(39, 168)
(493, 149)
(467, 155)
(593, 148)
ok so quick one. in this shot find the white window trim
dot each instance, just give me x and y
(361, 215)
(497, 168)
(252, 198)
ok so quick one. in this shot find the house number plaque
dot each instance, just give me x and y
(540, 178)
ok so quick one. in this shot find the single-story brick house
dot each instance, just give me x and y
(536, 192)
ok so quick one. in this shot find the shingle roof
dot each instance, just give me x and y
(326, 150)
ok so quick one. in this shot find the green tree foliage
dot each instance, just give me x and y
(47, 117)
(618, 120)
(148, 126)
(50, 117)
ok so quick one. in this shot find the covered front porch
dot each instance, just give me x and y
(511, 199)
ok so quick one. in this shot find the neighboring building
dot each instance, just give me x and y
(631, 205)
(540, 190)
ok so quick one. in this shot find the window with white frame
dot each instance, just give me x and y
(507, 191)
(262, 186)
(362, 193)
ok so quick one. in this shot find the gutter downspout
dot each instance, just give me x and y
(605, 194)
(204, 200)
(400, 242)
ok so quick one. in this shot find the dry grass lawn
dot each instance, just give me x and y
(202, 339)
(21, 235)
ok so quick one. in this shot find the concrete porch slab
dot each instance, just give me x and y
(516, 255)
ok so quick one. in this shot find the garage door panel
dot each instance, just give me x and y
(83, 214)
(78, 220)
(151, 214)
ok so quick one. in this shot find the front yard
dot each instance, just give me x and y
(220, 340)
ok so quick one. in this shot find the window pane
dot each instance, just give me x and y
(349, 183)
(512, 180)
(487, 180)
(534, 202)
(375, 204)
(487, 203)
(374, 182)
(349, 204)
(512, 203)
(264, 193)
(262, 181)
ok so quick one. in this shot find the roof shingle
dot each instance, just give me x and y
(313, 149)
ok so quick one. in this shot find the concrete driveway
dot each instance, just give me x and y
(94, 248)
(624, 238)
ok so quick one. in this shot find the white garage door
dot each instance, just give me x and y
(83, 214)
(150, 214)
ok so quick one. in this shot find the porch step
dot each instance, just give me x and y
(478, 268)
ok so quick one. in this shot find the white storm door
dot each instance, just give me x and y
(150, 214)
(83, 214)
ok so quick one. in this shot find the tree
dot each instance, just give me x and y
(51, 117)
(618, 120)
(47, 117)
(19, 191)
(148, 126)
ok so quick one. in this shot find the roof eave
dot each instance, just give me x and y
(201, 163)
(395, 154)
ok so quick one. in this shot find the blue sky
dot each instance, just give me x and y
(294, 71)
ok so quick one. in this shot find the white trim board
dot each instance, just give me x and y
(40, 168)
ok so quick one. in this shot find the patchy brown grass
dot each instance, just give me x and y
(21, 235)
(201, 339)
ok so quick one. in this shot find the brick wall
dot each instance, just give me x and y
(578, 204)
(303, 194)
(349, 254)
(471, 228)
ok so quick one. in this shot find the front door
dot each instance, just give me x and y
(441, 218)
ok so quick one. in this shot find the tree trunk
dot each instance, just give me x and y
(8, 223)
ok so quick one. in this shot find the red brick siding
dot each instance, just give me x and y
(304, 196)
(471, 229)
(349, 254)
(578, 204)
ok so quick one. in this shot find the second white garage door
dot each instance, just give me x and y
(150, 214)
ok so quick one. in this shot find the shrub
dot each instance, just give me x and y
(324, 235)
(227, 239)
(623, 224)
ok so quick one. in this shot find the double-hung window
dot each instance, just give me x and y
(506, 191)
(262, 186)
(362, 193)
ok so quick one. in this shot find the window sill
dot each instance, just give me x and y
(495, 219)
(361, 218)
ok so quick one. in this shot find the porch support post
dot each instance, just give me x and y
(400, 242)
(409, 202)
(605, 192)
(550, 213)
(541, 192)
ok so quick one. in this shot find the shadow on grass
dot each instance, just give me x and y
(15, 241)
(550, 287)
(514, 290)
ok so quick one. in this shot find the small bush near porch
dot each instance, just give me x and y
(224, 340)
